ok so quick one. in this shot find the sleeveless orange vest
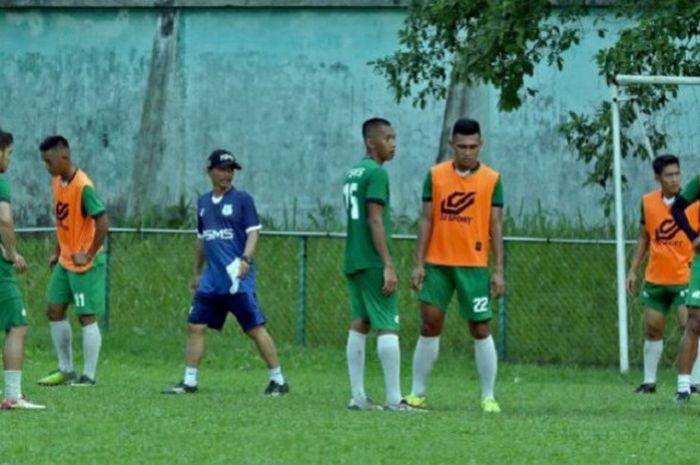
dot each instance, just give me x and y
(461, 216)
(671, 253)
(74, 231)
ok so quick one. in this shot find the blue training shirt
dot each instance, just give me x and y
(223, 225)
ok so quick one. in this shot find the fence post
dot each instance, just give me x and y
(502, 313)
(108, 252)
(300, 333)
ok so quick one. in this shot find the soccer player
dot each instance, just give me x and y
(369, 268)
(689, 343)
(668, 271)
(13, 316)
(462, 212)
(228, 229)
(78, 263)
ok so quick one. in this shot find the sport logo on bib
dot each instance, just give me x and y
(62, 210)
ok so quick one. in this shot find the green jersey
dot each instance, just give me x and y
(691, 191)
(367, 182)
(8, 281)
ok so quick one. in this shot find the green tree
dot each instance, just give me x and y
(448, 43)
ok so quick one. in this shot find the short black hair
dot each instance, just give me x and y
(662, 161)
(466, 127)
(6, 139)
(54, 142)
(371, 124)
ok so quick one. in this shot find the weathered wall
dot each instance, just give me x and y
(144, 93)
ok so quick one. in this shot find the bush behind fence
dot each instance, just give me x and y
(560, 305)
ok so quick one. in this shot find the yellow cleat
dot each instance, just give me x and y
(416, 401)
(489, 405)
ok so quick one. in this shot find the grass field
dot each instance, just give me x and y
(550, 415)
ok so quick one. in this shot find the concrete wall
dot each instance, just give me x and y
(145, 93)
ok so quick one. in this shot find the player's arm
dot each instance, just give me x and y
(7, 232)
(425, 229)
(198, 263)
(639, 252)
(251, 220)
(376, 226)
(498, 285)
(689, 194)
(93, 207)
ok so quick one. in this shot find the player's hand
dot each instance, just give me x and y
(696, 244)
(631, 283)
(390, 280)
(417, 277)
(498, 285)
(243, 269)
(52, 261)
(80, 258)
(20, 264)
(194, 284)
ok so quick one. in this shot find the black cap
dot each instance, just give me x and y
(220, 158)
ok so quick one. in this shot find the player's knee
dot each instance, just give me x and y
(430, 328)
(196, 330)
(55, 313)
(693, 324)
(480, 330)
(654, 333)
(18, 332)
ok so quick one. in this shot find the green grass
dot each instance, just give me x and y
(550, 414)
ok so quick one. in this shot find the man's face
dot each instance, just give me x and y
(5, 156)
(53, 160)
(383, 143)
(466, 150)
(221, 177)
(670, 179)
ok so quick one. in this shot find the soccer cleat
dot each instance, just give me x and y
(693, 388)
(402, 406)
(273, 389)
(416, 401)
(83, 381)
(682, 397)
(20, 404)
(489, 405)
(363, 404)
(57, 378)
(180, 388)
(646, 388)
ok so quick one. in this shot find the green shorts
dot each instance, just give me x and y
(85, 290)
(12, 314)
(692, 297)
(662, 298)
(473, 290)
(368, 303)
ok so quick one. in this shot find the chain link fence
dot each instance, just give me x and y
(560, 305)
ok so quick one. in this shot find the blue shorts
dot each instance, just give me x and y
(211, 310)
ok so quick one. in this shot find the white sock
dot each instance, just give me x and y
(684, 383)
(390, 356)
(486, 364)
(355, 352)
(695, 374)
(62, 338)
(652, 355)
(191, 376)
(276, 375)
(92, 341)
(424, 357)
(13, 384)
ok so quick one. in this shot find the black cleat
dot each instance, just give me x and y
(682, 397)
(646, 388)
(273, 389)
(693, 388)
(180, 388)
